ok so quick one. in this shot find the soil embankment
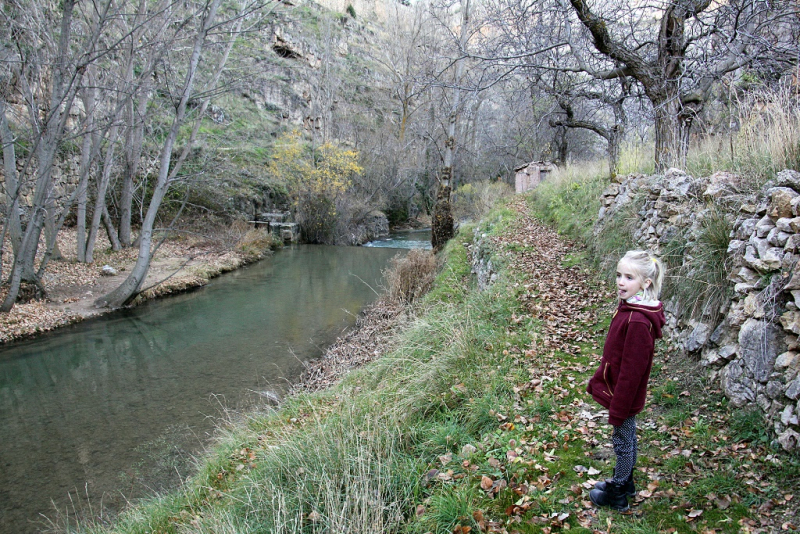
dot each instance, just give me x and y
(178, 265)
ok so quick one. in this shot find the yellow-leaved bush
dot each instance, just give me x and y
(318, 183)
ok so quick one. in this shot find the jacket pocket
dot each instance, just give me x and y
(608, 390)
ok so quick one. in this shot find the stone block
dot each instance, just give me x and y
(753, 306)
(772, 258)
(728, 352)
(697, 338)
(710, 357)
(742, 288)
(745, 229)
(789, 439)
(786, 360)
(760, 342)
(763, 402)
(790, 321)
(744, 274)
(793, 389)
(788, 417)
(792, 244)
(763, 226)
(784, 224)
(780, 202)
(735, 384)
(748, 208)
(735, 245)
(788, 178)
(796, 206)
(794, 280)
(788, 262)
(774, 389)
(778, 238)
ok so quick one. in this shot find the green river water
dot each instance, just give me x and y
(116, 407)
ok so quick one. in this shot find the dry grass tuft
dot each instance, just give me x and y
(411, 276)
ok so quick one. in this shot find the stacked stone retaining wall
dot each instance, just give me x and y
(747, 341)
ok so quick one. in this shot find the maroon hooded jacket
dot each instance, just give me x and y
(620, 383)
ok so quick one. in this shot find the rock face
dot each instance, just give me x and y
(747, 341)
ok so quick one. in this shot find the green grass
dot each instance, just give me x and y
(449, 431)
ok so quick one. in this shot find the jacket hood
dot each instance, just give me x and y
(654, 314)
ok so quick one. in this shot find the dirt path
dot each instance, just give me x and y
(698, 461)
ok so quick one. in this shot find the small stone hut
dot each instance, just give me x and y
(531, 174)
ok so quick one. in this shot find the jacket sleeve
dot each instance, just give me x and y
(634, 366)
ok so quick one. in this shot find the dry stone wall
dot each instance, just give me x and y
(748, 341)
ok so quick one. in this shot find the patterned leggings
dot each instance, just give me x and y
(625, 447)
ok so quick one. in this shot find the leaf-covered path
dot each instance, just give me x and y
(702, 465)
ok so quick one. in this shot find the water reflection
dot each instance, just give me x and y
(108, 406)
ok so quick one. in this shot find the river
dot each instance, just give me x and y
(116, 407)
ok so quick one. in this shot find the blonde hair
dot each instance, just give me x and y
(647, 267)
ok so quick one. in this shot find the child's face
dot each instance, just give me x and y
(629, 282)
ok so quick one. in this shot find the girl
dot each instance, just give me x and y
(620, 384)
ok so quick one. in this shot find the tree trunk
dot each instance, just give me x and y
(134, 141)
(670, 148)
(614, 139)
(111, 232)
(87, 158)
(51, 230)
(11, 181)
(442, 226)
(100, 200)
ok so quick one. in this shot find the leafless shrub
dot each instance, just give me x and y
(411, 276)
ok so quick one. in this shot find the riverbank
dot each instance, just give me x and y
(179, 264)
(473, 417)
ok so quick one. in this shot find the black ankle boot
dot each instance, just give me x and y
(628, 487)
(613, 496)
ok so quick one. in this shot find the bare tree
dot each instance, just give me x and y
(168, 170)
(677, 59)
(64, 64)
